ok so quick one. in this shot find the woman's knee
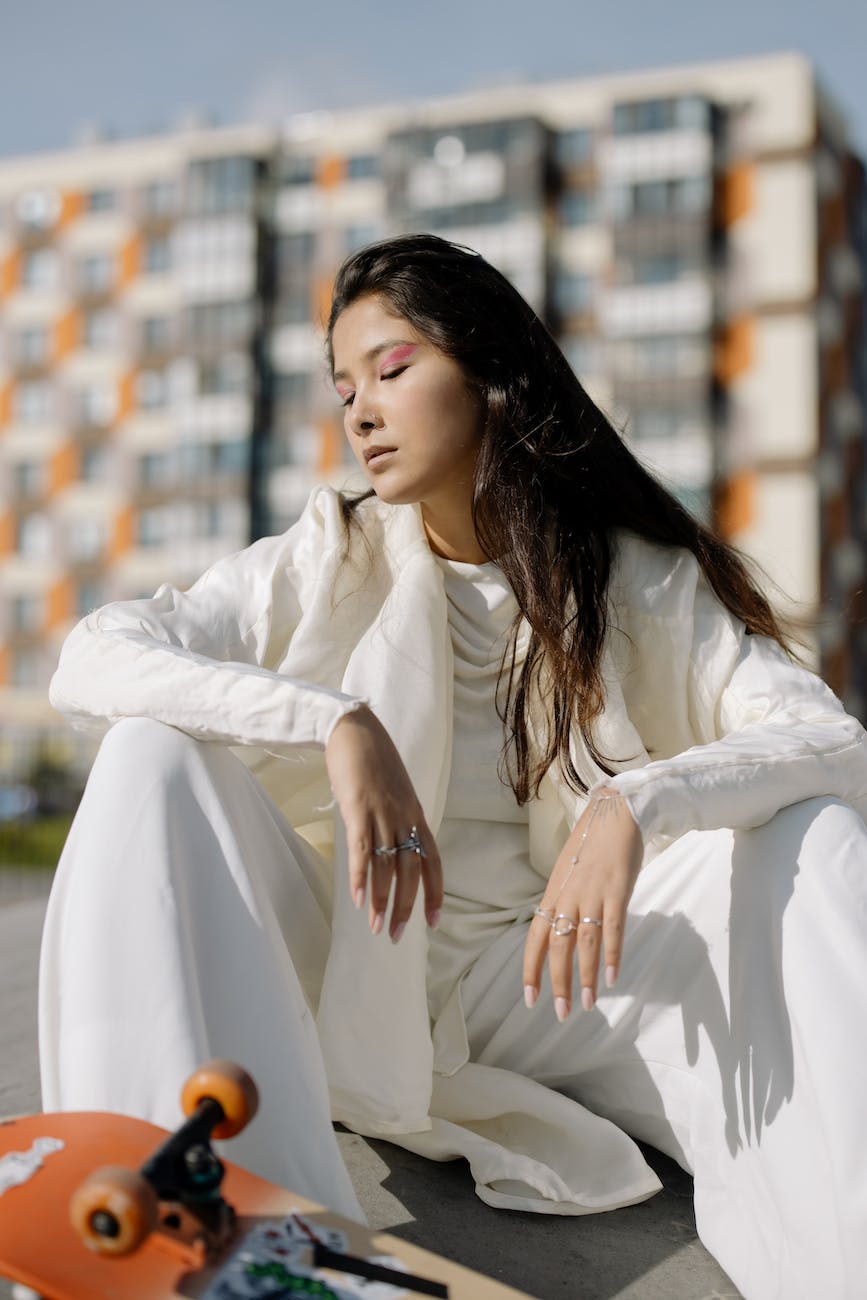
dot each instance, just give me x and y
(143, 745)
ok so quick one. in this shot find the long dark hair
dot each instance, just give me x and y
(553, 482)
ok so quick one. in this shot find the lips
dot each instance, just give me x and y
(374, 455)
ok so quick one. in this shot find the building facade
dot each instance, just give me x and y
(695, 237)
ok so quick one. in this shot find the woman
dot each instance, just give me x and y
(519, 643)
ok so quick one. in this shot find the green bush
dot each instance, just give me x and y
(33, 844)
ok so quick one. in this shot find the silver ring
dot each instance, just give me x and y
(546, 913)
(563, 925)
(412, 844)
(590, 920)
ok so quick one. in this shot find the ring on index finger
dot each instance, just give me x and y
(412, 844)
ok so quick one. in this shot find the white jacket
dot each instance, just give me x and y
(712, 728)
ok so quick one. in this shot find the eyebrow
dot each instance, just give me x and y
(376, 351)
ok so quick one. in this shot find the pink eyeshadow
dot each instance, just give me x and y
(399, 354)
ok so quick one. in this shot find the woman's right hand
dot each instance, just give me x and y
(379, 807)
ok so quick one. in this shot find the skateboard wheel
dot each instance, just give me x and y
(114, 1210)
(230, 1086)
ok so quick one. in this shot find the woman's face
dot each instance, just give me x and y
(412, 421)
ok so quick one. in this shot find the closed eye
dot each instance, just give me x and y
(393, 374)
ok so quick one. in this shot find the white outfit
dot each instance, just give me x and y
(732, 1039)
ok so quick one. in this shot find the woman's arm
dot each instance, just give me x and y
(201, 660)
(740, 729)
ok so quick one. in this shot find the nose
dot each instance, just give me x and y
(363, 420)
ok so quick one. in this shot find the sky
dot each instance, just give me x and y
(131, 69)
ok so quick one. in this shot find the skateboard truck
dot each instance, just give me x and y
(176, 1193)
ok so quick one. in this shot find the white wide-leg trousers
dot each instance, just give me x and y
(734, 1040)
(177, 898)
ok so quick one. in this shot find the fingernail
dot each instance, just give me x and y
(561, 1008)
(398, 931)
(378, 922)
(434, 919)
(358, 897)
(530, 995)
(610, 976)
(587, 998)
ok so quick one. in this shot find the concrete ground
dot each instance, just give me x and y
(646, 1252)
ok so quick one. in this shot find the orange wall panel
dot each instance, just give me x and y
(125, 396)
(323, 288)
(330, 447)
(10, 272)
(330, 171)
(735, 349)
(63, 467)
(5, 404)
(736, 504)
(130, 260)
(60, 604)
(7, 534)
(737, 197)
(71, 207)
(67, 333)
(122, 533)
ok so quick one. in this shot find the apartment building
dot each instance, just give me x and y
(695, 237)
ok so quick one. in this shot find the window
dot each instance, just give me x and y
(298, 171)
(229, 373)
(572, 148)
(293, 390)
(97, 405)
(34, 537)
(573, 292)
(85, 539)
(221, 322)
(39, 268)
(687, 195)
(221, 185)
(26, 613)
(360, 236)
(38, 209)
(101, 200)
(689, 112)
(95, 273)
(25, 669)
(31, 346)
(94, 465)
(296, 249)
(159, 198)
(28, 479)
(151, 390)
(155, 469)
(157, 255)
(33, 402)
(578, 207)
(362, 167)
(153, 526)
(100, 329)
(155, 334)
(89, 596)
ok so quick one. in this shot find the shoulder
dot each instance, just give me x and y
(652, 580)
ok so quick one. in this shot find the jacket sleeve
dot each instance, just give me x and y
(742, 730)
(205, 660)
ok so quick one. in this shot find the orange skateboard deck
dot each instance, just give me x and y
(272, 1250)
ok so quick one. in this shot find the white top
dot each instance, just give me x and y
(483, 838)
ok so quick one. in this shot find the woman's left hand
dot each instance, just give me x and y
(585, 904)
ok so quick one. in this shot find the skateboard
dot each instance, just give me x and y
(97, 1205)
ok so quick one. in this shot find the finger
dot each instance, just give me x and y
(360, 846)
(561, 965)
(406, 877)
(535, 951)
(381, 875)
(431, 875)
(613, 925)
(589, 947)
